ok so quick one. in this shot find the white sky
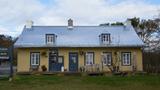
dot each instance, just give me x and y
(14, 13)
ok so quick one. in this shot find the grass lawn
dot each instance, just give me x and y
(44, 82)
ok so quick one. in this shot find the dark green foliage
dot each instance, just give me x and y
(112, 24)
(117, 24)
(135, 21)
(105, 24)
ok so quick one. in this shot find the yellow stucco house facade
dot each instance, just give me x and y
(79, 48)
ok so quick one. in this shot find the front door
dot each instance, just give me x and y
(73, 61)
(55, 62)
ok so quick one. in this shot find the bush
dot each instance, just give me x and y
(44, 68)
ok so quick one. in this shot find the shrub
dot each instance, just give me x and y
(44, 68)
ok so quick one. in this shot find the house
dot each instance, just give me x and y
(79, 48)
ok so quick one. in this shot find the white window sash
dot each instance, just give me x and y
(89, 58)
(35, 58)
(107, 58)
(50, 39)
(105, 38)
(126, 58)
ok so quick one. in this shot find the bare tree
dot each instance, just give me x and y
(148, 31)
(6, 40)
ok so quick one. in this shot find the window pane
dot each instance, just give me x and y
(50, 39)
(105, 38)
(107, 58)
(60, 60)
(126, 58)
(32, 58)
(35, 58)
(89, 58)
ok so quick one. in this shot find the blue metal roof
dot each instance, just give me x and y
(79, 36)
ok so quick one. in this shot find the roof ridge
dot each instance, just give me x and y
(78, 26)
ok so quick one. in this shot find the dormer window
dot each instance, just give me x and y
(50, 38)
(105, 38)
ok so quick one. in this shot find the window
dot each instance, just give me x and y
(107, 58)
(126, 58)
(89, 58)
(105, 38)
(60, 59)
(3, 53)
(35, 58)
(50, 38)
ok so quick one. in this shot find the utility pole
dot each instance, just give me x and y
(11, 62)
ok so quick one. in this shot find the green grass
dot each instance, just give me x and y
(44, 82)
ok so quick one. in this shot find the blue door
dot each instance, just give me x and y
(55, 61)
(56, 64)
(73, 61)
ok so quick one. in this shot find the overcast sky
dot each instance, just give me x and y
(14, 13)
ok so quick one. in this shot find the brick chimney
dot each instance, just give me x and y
(70, 24)
(29, 24)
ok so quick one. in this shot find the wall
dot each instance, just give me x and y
(24, 57)
(136, 55)
(23, 62)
